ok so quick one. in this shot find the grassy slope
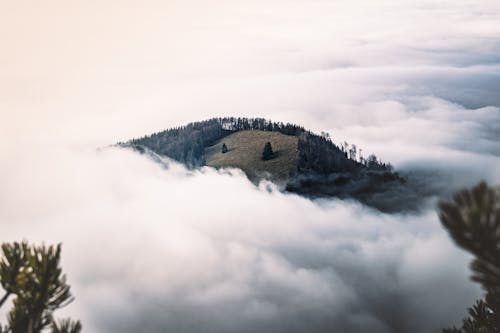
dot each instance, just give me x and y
(245, 153)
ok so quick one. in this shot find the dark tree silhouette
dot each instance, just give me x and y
(267, 154)
(32, 274)
(472, 219)
(224, 148)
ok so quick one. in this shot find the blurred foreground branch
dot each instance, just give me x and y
(33, 276)
(472, 219)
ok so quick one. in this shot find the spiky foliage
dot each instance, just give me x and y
(66, 326)
(33, 275)
(11, 269)
(472, 219)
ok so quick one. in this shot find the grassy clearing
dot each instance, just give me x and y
(245, 152)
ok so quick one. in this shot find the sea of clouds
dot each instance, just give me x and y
(153, 247)
(155, 250)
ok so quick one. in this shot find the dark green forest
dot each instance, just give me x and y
(317, 153)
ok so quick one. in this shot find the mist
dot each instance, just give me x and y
(153, 247)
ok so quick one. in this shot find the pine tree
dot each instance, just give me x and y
(267, 154)
(472, 219)
(33, 275)
(224, 148)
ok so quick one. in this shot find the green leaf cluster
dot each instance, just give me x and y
(32, 274)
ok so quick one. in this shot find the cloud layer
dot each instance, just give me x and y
(155, 250)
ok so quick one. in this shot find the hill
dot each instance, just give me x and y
(303, 162)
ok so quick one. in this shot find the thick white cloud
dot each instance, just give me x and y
(153, 250)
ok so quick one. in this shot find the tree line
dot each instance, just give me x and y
(317, 153)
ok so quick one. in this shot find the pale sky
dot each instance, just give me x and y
(106, 70)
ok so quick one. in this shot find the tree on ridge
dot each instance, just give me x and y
(267, 154)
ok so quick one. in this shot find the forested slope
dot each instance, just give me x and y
(311, 164)
(317, 153)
